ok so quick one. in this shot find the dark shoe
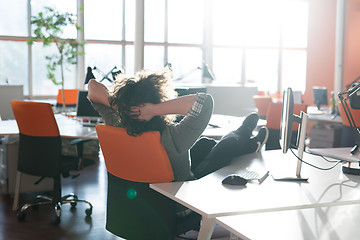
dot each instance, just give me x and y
(261, 138)
(251, 121)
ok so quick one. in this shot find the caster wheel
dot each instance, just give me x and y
(57, 221)
(88, 212)
(21, 216)
(73, 204)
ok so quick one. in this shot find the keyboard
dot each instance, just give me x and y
(258, 175)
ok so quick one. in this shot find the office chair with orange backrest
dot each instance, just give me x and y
(273, 122)
(262, 104)
(71, 96)
(347, 133)
(134, 211)
(40, 154)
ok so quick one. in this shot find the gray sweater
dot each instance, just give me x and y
(177, 139)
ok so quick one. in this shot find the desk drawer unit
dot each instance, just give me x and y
(325, 136)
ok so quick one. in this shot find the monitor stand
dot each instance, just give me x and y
(303, 119)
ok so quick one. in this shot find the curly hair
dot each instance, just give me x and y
(144, 87)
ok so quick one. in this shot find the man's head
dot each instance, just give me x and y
(144, 87)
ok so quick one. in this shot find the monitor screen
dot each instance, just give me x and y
(84, 109)
(287, 119)
(182, 91)
(320, 96)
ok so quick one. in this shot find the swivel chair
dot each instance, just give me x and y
(262, 104)
(71, 96)
(273, 122)
(40, 155)
(134, 210)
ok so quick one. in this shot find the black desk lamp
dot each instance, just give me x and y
(351, 95)
(207, 74)
(89, 75)
(105, 76)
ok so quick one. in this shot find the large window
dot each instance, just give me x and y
(260, 42)
(250, 42)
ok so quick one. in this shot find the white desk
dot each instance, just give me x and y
(323, 116)
(338, 153)
(71, 128)
(208, 197)
(68, 128)
(334, 222)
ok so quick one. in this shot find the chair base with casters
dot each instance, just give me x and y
(68, 163)
(56, 201)
(45, 200)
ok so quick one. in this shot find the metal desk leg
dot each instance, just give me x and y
(206, 228)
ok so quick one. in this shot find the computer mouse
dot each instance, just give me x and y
(234, 180)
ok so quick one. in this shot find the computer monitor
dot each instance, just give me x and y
(287, 119)
(320, 96)
(8, 93)
(84, 109)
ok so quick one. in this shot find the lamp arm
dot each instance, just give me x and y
(349, 85)
(186, 74)
(105, 76)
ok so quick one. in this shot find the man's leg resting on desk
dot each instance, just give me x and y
(234, 144)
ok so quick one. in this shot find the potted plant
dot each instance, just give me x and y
(49, 26)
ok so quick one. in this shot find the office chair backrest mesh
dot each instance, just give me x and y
(40, 142)
(140, 159)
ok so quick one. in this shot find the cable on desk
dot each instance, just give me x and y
(319, 155)
(329, 168)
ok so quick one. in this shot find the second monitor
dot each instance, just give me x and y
(320, 96)
(84, 109)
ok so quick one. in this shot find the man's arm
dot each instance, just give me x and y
(98, 93)
(180, 105)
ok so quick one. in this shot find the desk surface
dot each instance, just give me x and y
(334, 222)
(211, 199)
(323, 116)
(69, 127)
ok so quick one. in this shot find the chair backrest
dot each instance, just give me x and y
(134, 210)
(354, 112)
(71, 96)
(35, 118)
(273, 115)
(262, 104)
(40, 142)
(139, 159)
